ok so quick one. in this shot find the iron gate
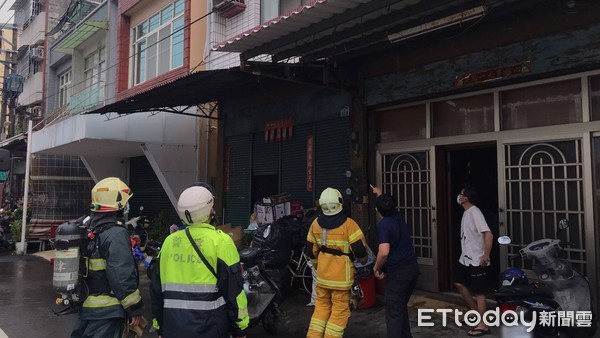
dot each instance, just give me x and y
(544, 184)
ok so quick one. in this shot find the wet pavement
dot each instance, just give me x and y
(27, 300)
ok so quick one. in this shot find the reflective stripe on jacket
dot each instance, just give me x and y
(335, 271)
(187, 299)
(112, 277)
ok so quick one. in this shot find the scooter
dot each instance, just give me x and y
(561, 289)
(261, 291)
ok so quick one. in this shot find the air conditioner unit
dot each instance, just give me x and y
(35, 111)
(229, 8)
(37, 53)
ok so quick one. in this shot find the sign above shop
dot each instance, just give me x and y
(493, 74)
(279, 130)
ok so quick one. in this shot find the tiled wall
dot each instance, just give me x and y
(223, 29)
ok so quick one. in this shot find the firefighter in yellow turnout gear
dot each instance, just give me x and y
(333, 241)
(197, 285)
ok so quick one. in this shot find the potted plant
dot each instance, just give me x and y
(15, 230)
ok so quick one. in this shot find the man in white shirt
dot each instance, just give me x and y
(472, 273)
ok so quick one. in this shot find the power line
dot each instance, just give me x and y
(6, 23)
(4, 3)
(143, 50)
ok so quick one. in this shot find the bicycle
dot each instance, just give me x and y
(300, 268)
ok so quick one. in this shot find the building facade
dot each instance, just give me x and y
(111, 52)
(448, 94)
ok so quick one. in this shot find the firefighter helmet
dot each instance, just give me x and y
(331, 201)
(110, 194)
(195, 205)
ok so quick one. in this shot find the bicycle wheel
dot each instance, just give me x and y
(306, 278)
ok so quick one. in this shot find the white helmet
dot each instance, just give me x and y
(331, 201)
(195, 205)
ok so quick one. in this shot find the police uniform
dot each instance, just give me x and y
(187, 299)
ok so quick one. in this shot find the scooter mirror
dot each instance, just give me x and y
(563, 224)
(504, 240)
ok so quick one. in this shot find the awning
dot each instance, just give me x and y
(299, 19)
(324, 29)
(194, 89)
(80, 35)
(16, 5)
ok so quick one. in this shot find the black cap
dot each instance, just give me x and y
(385, 204)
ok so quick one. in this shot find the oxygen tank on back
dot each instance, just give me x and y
(71, 240)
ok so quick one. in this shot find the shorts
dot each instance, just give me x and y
(476, 278)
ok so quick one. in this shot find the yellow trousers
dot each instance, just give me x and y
(332, 310)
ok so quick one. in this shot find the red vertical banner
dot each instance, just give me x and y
(309, 163)
(227, 158)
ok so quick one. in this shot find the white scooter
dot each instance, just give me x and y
(560, 289)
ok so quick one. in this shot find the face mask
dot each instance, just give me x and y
(458, 200)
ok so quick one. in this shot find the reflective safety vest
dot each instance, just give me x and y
(191, 293)
(335, 271)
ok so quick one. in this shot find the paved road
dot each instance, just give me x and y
(27, 299)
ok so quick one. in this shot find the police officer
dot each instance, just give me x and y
(112, 272)
(197, 287)
(334, 240)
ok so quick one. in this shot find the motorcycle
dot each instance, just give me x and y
(137, 228)
(6, 240)
(262, 293)
(560, 289)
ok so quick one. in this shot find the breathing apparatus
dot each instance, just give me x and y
(76, 240)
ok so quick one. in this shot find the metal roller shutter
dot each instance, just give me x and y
(148, 191)
(265, 156)
(293, 166)
(237, 199)
(332, 151)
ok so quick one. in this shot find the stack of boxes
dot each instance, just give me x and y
(272, 208)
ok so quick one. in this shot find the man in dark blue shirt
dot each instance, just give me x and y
(396, 257)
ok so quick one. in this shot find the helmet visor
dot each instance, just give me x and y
(330, 209)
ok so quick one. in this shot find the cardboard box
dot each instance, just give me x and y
(276, 199)
(279, 210)
(236, 233)
(263, 213)
(296, 209)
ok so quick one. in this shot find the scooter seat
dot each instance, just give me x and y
(248, 255)
(523, 290)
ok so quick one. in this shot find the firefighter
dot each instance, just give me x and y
(334, 240)
(197, 285)
(111, 269)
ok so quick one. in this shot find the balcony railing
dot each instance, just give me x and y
(87, 98)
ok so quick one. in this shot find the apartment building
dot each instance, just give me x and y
(112, 52)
